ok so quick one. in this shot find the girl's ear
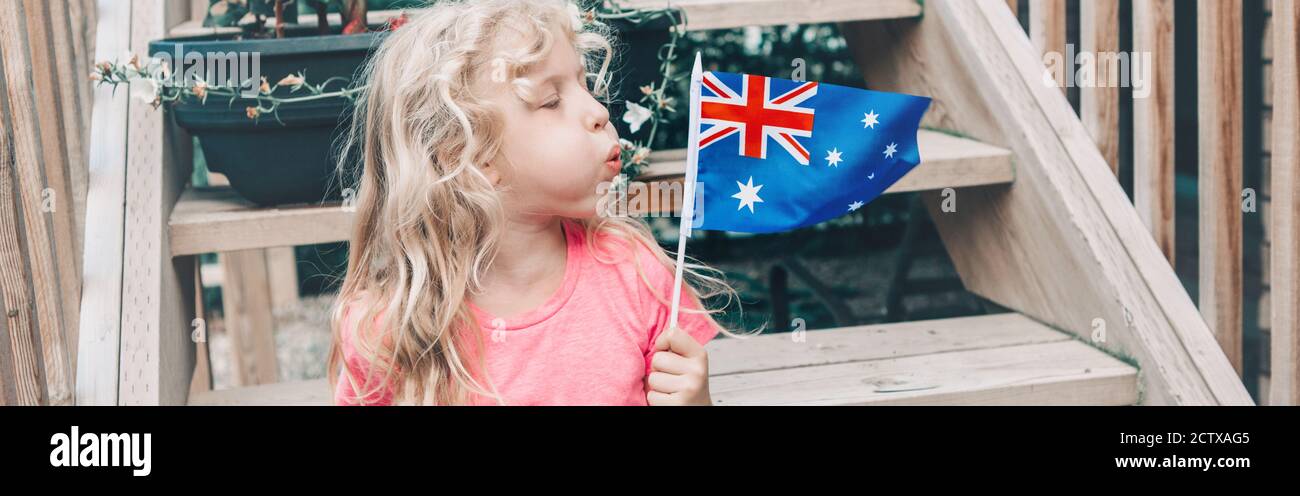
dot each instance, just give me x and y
(492, 172)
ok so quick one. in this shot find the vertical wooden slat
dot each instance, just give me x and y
(101, 303)
(1047, 29)
(157, 355)
(1285, 354)
(282, 275)
(246, 298)
(37, 161)
(60, 155)
(1219, 79)
(1099, 103)
(1153, 122)
(21, 376)
(73, 89)
(202, 379)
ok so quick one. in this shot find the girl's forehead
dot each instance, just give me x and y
(561, 61)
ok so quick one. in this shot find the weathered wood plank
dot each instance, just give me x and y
(1099, 103)
(1284, 356)
(101, 302)
(722, 14)
(218, 220)
(297, 393)
(1047, 31)
(44, 212)
(875, 342)
(246, 300)
(60, 147)
(1219, 101)
(22, 381)
(1058, 373)
(72, 92)
(157, 357)
(1153, 123)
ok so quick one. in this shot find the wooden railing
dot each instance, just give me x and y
(1223, 197)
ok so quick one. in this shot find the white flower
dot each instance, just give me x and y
(144, 90)
(635, 116)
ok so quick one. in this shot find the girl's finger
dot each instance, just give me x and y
(665, 383)
(669, 362)
(662, 342)
(684, 344)
(656, 398)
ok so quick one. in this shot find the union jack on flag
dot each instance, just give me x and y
(757, 115)
(840, 148)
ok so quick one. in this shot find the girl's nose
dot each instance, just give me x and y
(598, 117)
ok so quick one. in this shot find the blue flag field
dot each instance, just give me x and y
(776, 155)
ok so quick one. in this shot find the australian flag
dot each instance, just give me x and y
(776, 154)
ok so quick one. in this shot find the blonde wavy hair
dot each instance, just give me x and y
(428, 220)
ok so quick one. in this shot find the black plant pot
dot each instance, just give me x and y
(277, 159)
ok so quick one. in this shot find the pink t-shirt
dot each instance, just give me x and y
(590, 343)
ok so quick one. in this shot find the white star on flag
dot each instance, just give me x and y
(833, 157)
(870, 119)
(748, 195)
(855, 205)
(889, 150)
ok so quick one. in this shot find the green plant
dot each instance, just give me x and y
(284, 12)
(152, 82)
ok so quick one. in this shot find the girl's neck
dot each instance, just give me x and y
(532, 249)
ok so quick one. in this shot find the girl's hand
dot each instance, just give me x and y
(679, 371)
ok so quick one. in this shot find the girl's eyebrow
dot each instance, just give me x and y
(581, 73)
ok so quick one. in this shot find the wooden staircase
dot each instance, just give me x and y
(1005, 359)
(1041, 227)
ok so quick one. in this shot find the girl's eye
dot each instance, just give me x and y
(553, 104)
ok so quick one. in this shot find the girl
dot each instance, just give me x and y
(479, 272)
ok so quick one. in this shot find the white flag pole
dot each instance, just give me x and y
(688, 202)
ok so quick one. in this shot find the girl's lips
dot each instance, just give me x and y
(613, 159)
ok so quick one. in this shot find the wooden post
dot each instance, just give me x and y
(246, 298)
(1153, 121)
(101, 302)
(1219, 68)
(157, 355)
(1099, 103)
(1284, 378)
(1047, 30)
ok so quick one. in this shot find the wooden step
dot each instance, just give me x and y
(985, 360)
(722, 14)
(217, 219)
(296, 393)
(700, 14)
(947, 161)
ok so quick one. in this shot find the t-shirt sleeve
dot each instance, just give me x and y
(356, 368)
(699, 325)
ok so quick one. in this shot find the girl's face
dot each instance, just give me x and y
(556, 150)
